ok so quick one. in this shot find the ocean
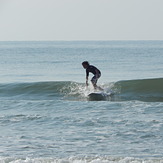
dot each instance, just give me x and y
(47, 116)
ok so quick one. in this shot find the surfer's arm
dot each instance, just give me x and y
(87, 74)
(86, 80)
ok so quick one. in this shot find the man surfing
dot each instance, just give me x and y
(95, 71)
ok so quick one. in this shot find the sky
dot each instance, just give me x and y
(37, 20)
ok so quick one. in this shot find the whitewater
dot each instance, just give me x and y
(47, 116)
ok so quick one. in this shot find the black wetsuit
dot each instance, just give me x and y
(92, 69)
(95, 71)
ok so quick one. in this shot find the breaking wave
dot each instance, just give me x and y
(150, 90)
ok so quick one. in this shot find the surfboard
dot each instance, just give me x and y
(99, 95)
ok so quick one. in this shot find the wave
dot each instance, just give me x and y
(41, 90)
(144, 90)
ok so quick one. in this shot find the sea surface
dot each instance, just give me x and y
(47, 116)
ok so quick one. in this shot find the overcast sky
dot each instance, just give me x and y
(81, 20)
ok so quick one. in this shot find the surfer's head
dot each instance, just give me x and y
(85, 64)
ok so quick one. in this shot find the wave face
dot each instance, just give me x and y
(150, 90)
(36, 90)
(143, 90)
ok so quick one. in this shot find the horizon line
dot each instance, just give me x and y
(76, 40)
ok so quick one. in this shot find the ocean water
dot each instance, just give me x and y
(47, 116)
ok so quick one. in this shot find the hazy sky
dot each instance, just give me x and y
(81, 20)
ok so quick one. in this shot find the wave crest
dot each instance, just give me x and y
(144, 90)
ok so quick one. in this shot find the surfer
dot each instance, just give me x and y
(95, 71)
